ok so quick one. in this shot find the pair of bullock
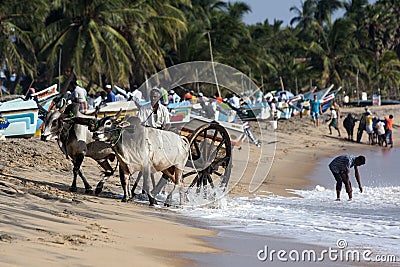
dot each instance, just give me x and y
(136, 147)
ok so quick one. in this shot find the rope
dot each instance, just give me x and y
(59, 139)
(112, 143)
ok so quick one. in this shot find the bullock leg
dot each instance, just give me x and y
(108, 171)
(153, 182)
(136, 184)
(351, 134)
(73, 188)
(77, 171)
(124, 184)
(160, 185)
(146, 174)
(179, 182)
(79, 160)
(167, 202)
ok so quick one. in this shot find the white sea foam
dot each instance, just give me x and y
(370, 220)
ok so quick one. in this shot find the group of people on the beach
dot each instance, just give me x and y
(380, 131)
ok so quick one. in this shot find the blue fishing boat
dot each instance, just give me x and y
(22, 116)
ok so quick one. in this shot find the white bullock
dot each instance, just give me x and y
(146, 149)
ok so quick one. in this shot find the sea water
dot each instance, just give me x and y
(369, 221)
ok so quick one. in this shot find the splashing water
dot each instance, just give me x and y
(369, 221)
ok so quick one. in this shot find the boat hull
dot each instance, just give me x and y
(112, 108)
(23, 117)
(235, 131)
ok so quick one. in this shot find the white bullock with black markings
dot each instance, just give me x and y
(146, 149)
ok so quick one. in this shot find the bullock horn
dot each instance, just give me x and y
(117, 115)
(62, 104)
(96, 113)
(81, 121)
(42, 112)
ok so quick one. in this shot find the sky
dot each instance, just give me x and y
(272, 9)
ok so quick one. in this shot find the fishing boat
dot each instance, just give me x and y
(320, 94)
(328, 99)
(45, 98)
(236, 131)
(325, 96)
(256, 111)
(179, 113)
(22, 116)
(283, 110)
(112, 108)
(46, 94)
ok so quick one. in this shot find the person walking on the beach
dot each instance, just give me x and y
(340, 168)
(337, 108)
(316, 110)
(334, 121)
(389, 129)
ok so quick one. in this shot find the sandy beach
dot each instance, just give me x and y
(43, 224)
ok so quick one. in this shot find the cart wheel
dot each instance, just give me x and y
(209, 164)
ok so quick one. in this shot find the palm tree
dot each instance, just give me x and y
(304, 14)
(155, 35)
(356, 11)
(17, 22)
(91, 40)
(388, 76)
(228, 29)
(194, 43)
(305, 20)
(325, 9)
(336, 50)
(353, 8)
(383, 24)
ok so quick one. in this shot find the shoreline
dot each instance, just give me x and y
(297, 177)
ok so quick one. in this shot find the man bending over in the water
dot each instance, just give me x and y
(340, 168)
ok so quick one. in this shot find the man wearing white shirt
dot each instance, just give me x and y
(135, 95)
(79, 95)
(153, 114)
(234, 101)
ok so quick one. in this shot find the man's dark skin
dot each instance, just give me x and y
(346, 180)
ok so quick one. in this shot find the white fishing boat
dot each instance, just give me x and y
(320, 94)
(22, 116)
(46, 94)
(236, 131)
(112, 108)
(256, 111)
(283, 110)
(45, 98)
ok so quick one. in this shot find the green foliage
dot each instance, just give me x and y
(122, 42)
